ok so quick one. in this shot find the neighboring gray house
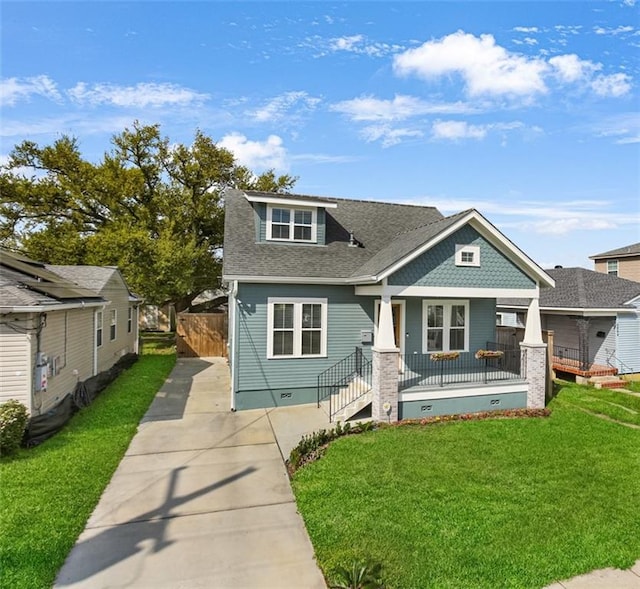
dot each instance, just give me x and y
(595, 318)
(59, 325)
(361, 302)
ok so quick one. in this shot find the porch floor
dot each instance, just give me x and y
(576, 367)
(411, 381)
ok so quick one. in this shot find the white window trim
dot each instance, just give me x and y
(297, 326)
(113, 322)
(447, 304)
(472, 249)
(292, 210)
(100, 328)
(130, 320)
(610, 269)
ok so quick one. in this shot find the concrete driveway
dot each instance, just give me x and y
(201, 498)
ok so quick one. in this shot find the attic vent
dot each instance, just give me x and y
(353, 242)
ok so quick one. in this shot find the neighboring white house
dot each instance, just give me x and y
(595, 318)
(59, 325)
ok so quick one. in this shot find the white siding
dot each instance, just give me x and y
(67, 337)
(15, 369)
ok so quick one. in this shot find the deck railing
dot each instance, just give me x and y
(420, 370)
(572, 357)
(345, 382)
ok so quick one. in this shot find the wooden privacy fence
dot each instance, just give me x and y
(201, 334)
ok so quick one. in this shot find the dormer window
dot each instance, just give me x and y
(292, 224)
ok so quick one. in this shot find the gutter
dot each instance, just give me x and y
(47, 308)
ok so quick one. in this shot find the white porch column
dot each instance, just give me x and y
(533, 328)
(385, 339)
(384, 378)
(534, 357)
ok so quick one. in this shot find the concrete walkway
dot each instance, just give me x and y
(201, 498)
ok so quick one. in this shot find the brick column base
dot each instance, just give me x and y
(534, 358)
(384, 384)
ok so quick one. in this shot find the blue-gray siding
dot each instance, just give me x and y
(437, 266)
(347, 316)
(262, 382)
(451, 406)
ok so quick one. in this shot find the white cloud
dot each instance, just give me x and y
(13, 90)
(257, 155)
(538, 217)
(485, 67)
(526, 29)
(570, 68)
(142, 95)
(454, 130)
(277, 108)
(357, 44)
(387, 135)
(488, 69)
(624, 128)
(368, 108)
(69, 124)
(614, 85)
(617, 31)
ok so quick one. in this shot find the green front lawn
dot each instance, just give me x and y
(495, 503)
(47, 493)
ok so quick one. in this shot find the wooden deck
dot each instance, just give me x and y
(575, 367)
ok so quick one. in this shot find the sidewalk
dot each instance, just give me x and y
(200, 500)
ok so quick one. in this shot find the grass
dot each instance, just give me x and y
(47, 493)
(495, 503)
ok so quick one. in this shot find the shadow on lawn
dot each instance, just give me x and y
(122, 541)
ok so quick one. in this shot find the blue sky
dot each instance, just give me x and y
(527, 111)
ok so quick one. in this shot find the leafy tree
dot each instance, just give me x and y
(150, 207)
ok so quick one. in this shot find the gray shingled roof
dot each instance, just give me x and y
(386, 231)
(94, 278)
(28, 283)
(579, 288)
(621, 252)
(13, 294)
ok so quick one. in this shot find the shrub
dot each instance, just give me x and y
(359, 576)
(13, 423)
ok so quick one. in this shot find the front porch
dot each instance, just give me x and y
(426, 372)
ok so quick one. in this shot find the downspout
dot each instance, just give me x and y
(234, 341)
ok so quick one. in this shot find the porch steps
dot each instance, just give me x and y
(607, 382)
(351, 399)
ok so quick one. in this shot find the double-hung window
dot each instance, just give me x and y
(98, 329)
(285, 224)
(297, 328)
(612, 267)
(113, 319)
(129, 319)
(445, 326)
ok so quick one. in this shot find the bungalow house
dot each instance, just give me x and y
(595, 318)
(623, 262)
(355, 302)
(59, 325)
